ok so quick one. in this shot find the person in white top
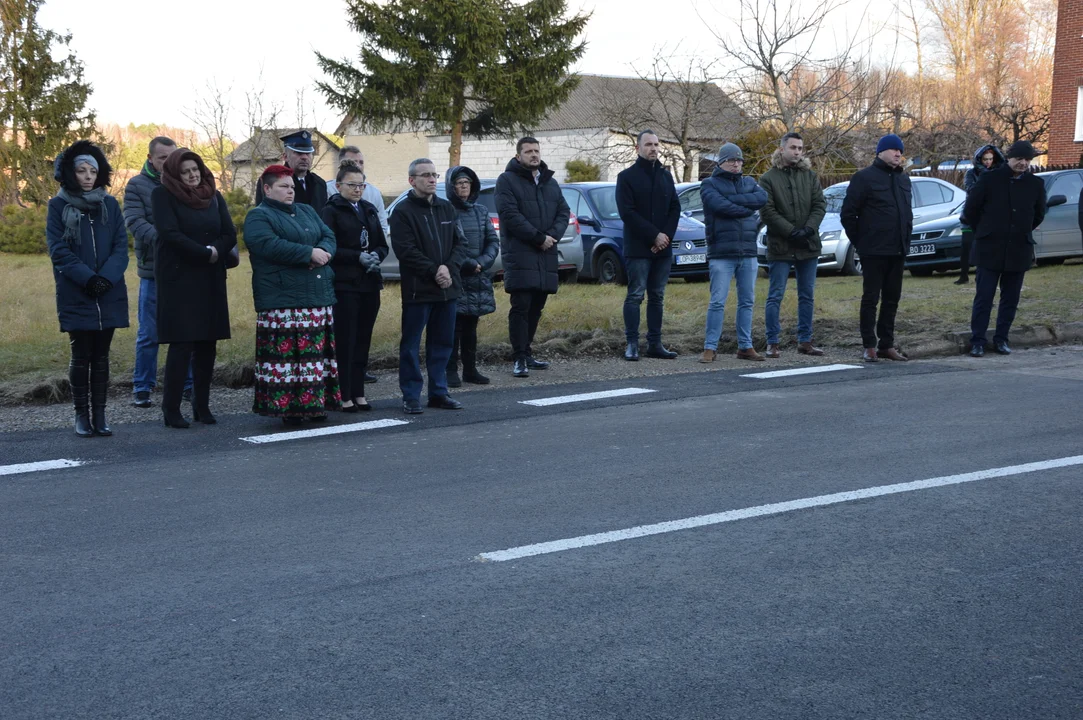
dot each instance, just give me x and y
(371, 194)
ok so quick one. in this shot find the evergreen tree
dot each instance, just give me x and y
(42, 102)
(483, 67)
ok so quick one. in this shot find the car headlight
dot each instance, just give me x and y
(830, 236)
(956, 231)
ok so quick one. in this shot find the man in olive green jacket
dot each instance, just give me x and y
(793, 213)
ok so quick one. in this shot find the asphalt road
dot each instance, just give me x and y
(196, 575)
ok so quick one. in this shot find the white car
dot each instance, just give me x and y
(931, 199)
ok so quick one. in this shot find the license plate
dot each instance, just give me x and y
(922, 249)
(698, 258)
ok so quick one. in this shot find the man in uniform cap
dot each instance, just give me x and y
(309, 188)
(1003, 208)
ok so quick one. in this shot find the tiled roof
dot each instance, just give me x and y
(620, 103)
(266, 144)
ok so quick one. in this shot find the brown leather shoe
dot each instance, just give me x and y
(870, 355)
(809, 349)
(708, 356)
(749, 354)
(772, 351)
(892, 354)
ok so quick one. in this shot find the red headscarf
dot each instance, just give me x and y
(199, 196)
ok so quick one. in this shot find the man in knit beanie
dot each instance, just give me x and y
(878, 217)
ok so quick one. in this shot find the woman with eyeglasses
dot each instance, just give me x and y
(482, 247)
(361, 248)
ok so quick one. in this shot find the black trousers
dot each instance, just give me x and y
(466, 343)
(200, 357)
(882, 277)
(1011, 285)
(526, 310)
(355, 317)
(89, 363)
(88, 345)
(964, 254)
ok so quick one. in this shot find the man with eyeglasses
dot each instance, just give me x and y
(429, 244)
(372, 194)
(731, 205)
(533, 216)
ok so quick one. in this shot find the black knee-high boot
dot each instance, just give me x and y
(176, 370)
(470, 353)
(99, 391)
(79, 377)
(453, 379)
(202, 371)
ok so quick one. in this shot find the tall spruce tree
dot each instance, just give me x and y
(480, 67)
(43, 100)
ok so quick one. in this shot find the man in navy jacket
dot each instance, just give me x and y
(648, 206)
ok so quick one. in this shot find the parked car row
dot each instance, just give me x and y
(592, 246)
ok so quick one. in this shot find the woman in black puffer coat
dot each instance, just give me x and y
(89, 249)
(482, 247)
(988, 157)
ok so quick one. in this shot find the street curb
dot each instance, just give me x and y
(1025, 336)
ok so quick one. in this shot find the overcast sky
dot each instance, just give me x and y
(147, 60)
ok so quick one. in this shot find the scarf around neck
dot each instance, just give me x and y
(198, 197)
(77, 204)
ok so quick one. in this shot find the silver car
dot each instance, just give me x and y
(569, 247)
(931, 199)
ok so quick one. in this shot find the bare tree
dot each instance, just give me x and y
(783, 80)
(260, 114)
(211, 115)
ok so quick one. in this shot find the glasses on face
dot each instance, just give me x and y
(734, 161)
(354, 186)
(428, 176)
(463, 183)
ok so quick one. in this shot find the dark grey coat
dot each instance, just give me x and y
(481, 248)
(139, 217)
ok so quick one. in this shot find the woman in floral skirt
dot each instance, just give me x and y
(293, 290)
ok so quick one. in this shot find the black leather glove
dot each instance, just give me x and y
(98, 286)
(809, 233)
(798, 239)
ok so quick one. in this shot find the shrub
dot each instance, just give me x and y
(582, 171)
(239, 204)
(22, 230)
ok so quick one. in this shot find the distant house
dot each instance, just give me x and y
(596, 123)
(1066, 106)
(249, 159)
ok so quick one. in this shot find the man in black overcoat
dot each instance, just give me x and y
(1003, 208)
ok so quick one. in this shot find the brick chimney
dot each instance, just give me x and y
(1066, 121)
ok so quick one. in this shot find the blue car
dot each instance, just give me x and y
(595, 206)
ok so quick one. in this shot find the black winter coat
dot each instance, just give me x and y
(528, 212)
(647, 203)
(481, 246)
(313, 192)
(877, 212)
(1004, 210)
(425, 236)
(731, 204)
(356, 231)
(192, 301)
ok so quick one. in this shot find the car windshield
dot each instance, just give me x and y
(605, 199)
(834, 199)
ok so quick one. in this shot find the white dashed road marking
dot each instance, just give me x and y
(317, 432)
(802, 371)
(583, 397)
(639, 531)
(39, 466)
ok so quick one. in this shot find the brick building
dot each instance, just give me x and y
(1066, 121)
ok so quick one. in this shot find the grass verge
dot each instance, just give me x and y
(581, 320)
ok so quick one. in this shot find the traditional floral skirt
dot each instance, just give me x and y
(296, 372)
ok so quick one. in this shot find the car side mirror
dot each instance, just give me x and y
(587, 220)
(1056, 200)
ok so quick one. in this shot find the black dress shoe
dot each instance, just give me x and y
(412, 407)
(660, 351)
(370, 378)
(520, 369)
(445, 403)
(977, 351)
(475, 377)
(536, 364)
(1002, 348)
(631, 352)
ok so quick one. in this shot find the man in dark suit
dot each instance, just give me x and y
(308, 187)
(1003, 208)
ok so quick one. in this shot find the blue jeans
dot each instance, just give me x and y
(722, 271)
(806, 288)
(437, 321)
(145, 377)
(646, 275)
